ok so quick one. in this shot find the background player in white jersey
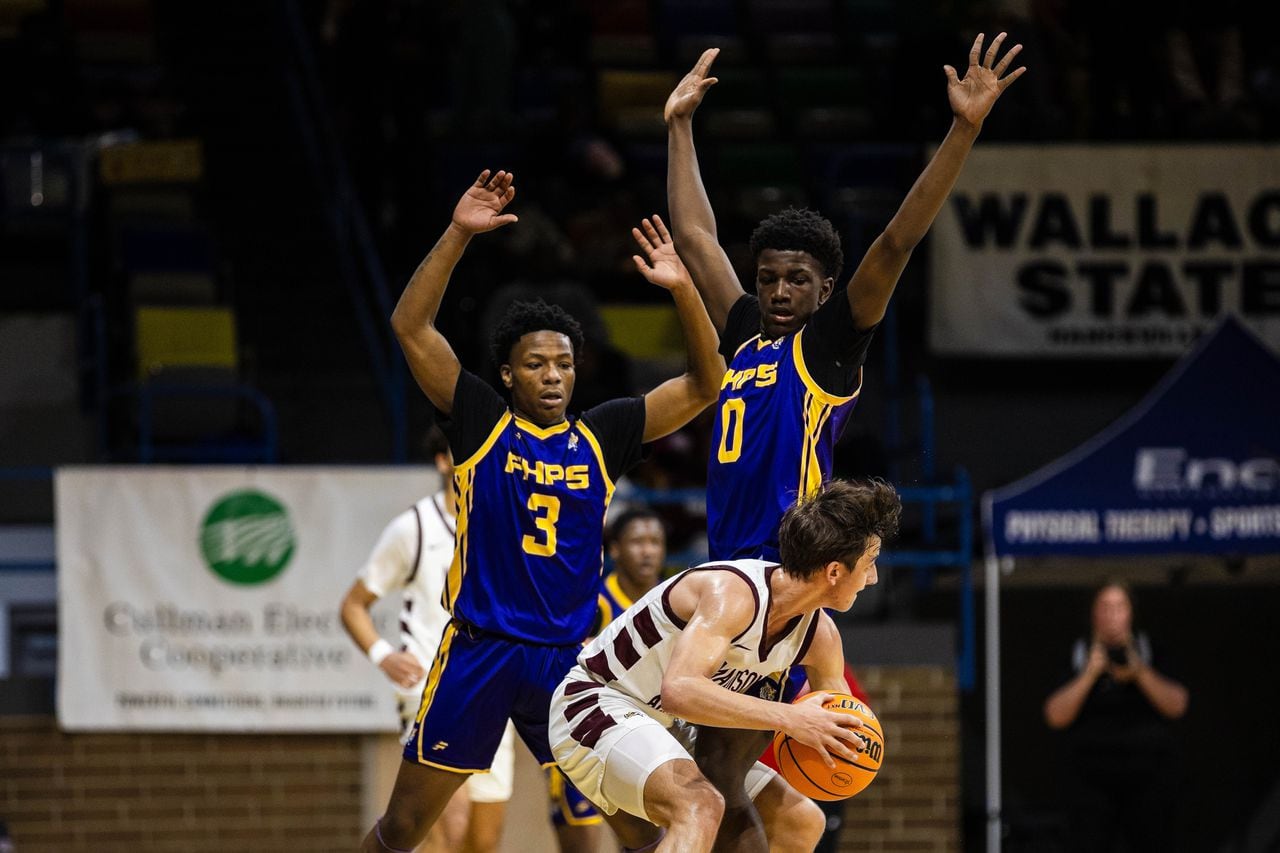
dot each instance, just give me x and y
(695, 646)
(413, 555)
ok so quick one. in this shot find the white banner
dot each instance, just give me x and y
(1085, 251)
(206, 599)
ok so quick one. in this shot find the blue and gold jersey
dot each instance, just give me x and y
(775, 429)
(612, 602)
(531, 505)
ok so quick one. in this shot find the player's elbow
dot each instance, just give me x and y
(895, 245)
(676, 697)
(706, 386)
(1054, 717)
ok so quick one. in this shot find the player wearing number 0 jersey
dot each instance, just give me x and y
(532, 485)
(776, 426)
(818, 335)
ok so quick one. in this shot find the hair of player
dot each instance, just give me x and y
(435, 443)
(635, 513)
(1113, 582)
(836, 524)
(798, 229)
(523, 317)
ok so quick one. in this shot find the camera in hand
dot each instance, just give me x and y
(1118, 655)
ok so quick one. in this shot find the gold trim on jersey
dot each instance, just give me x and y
(429, 690)
(474, 459)
(604, 612)
(611, 583)
(541, 432)
(816, 414)
(608, 484)
(755, 337)
(797, 355)
(464, 500)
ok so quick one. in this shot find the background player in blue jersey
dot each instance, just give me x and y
(795, 354)
(532, 485)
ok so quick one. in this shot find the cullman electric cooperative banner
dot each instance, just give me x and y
(1091, 251)
(206, 599)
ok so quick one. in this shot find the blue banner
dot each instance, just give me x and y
(1193, 469)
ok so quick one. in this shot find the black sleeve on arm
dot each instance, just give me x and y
(742, 324)
(477, 408)
(619, 427)
(833, 347)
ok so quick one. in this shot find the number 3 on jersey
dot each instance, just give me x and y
(731, 415)
(538, 505)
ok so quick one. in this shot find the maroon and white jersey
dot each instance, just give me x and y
(631, 654)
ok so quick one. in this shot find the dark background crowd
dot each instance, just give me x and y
(332, 138)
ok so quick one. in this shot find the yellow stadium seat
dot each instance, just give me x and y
(184, 337)
(644, 331)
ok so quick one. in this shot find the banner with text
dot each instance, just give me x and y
(1192, 469)
(1068, 251)
(206, 599)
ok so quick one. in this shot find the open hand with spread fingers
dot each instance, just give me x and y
(480, 208)
(984, 81)
(687, 95)
(664, 267)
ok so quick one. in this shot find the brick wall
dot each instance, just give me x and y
(914, 802)
(165, 792)
(152, 792)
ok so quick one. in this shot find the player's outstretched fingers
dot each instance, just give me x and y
(1003, 64)
(976, 51)
(652, 233)
(663, 233)
(1008, 81)
(483, 179)
(642, 241)
(704, 62)
(993, 50)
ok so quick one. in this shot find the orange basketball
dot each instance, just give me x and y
(803, 768)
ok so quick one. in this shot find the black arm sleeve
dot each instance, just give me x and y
(619, 427)
(477, 408)
(833, 347)
(742, 324)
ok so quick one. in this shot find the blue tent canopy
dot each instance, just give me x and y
(1193, 469)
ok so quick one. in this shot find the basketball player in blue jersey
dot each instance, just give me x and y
(532, 485)
(795, 354)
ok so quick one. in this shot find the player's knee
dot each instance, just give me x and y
(701, 804)
(805, 823)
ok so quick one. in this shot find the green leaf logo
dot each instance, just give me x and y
(246, 537)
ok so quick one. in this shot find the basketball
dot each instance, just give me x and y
(804, 769)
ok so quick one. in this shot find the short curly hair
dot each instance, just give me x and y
(837, 523)
(799, 229)
(522, 318)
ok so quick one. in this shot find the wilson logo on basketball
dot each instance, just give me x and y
(844, 780)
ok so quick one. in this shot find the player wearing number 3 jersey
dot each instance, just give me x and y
(532, 484)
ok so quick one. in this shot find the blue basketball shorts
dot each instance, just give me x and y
(476, 683)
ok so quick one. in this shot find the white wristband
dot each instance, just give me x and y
(378, 651)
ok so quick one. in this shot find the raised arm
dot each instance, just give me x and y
(677, 401)
(431, 359)
(971, 100)
(691, 215)
(721, 608)
(1064, 704)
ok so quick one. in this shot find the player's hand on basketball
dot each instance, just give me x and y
(402, 668)
(687, 95)
(984, 81)
(829, 732)
(663, 266)
(480, 208)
